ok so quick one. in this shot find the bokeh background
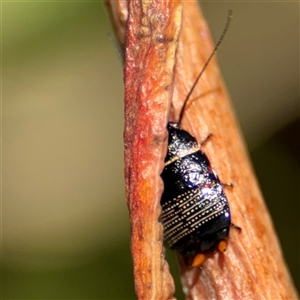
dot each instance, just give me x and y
(65, 225)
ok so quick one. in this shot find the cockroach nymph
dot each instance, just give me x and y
(195, 212)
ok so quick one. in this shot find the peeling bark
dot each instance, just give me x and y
(151, 41)
(253, 266)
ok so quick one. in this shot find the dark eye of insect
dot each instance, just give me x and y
(195, 212)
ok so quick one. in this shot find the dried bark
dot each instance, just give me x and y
(253, 266)
(151, 42)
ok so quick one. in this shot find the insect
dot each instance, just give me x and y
(195, 212)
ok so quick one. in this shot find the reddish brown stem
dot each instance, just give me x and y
(252, 267)
(151, 42)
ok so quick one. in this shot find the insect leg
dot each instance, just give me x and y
(205, 140)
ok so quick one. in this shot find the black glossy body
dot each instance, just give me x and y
(195, 212)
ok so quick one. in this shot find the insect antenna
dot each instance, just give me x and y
(229, 17)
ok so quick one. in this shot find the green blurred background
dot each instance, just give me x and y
(65, 227)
